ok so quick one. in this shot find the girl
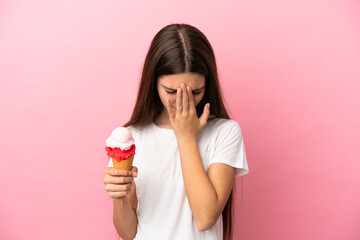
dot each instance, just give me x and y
(188, 151)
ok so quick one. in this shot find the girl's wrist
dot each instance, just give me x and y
(186, 139)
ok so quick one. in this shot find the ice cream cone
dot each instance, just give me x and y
(124, 165)
(120, 148)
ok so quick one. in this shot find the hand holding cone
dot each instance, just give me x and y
(125, 165)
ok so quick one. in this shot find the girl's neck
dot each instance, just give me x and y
(163, 120)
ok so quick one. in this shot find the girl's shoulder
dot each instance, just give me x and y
(220, 124)
(223, 132)
(135, 130)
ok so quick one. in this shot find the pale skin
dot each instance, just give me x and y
(207, 192)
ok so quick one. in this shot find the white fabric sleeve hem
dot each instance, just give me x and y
(240, 171)
(230, 148)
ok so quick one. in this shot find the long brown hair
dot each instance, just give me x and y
(180, 48)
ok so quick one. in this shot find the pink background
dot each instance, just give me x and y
(290, 72)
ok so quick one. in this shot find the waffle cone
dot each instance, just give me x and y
(124, 165)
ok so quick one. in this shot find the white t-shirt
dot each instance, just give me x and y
(163, 210)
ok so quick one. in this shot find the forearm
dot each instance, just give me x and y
(125, 219)
(199, 189)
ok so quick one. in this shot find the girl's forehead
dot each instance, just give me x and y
(194, 80)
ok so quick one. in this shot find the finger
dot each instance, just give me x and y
(205, 115)
(170, 108)
(192, 107)
(118, 194)
(117, 172)
(134, 171)
(185, 99)
(178, 101)
(118, 187)
(117, 180)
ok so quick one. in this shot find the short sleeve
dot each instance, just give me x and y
(230, 149)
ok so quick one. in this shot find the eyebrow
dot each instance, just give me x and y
(171, 89)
